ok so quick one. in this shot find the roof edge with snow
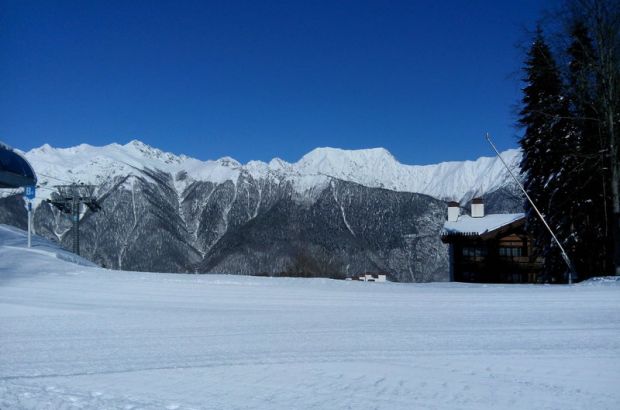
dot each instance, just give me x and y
(485, 227)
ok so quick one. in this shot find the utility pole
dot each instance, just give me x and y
(69, 200)
(29, 224)
(75, 216)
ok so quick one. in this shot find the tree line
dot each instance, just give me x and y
(570, 114)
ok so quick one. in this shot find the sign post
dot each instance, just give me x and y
(29, 193)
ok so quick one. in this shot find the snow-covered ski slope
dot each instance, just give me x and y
(75, 336)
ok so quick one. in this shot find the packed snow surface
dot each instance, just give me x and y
(75, 336)
(375, 168)
(478, 226)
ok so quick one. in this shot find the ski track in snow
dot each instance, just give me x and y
(79, 337)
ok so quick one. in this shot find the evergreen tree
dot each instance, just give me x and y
(589, 204)
(602, 18)
(571, 143)
(546, 140)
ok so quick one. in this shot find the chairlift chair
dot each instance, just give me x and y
(15, 171)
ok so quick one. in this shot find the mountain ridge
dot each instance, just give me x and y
(371, 167)
(333, 213)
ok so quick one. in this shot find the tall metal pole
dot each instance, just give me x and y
(571, 269)
(75, 214)
(29, 223)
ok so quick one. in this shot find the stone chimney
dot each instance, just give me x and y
(477, 208)
(453, 211)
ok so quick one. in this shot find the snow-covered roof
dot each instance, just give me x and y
(466, 225)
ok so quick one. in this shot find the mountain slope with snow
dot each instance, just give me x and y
(375, 168)
(378, 168)
(335, 213)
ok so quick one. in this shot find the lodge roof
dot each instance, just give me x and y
(485, 227)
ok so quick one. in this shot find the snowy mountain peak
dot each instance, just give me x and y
(150, 152)
(278, 164)
(326, 157)
(43, 148)
(228, 162)
(138, 144)
(374, 167)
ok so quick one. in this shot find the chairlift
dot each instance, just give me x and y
(15, 171)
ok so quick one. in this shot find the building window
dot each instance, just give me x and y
(510, 252)
(474, 251)
(513, 249)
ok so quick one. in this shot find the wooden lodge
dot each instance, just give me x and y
(490, 248)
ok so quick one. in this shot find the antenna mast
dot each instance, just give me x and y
(571, 269)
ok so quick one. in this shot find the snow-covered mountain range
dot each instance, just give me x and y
(332, 213)
(373, 168)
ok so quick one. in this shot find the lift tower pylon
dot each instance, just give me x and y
(69, 200)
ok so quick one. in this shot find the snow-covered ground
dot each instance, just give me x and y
(76, 336)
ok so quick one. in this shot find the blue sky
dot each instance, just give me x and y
(257, 80)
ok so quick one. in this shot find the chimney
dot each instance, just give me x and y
(453, 211)
(477, 208)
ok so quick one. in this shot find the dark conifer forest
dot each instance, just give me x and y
(570, 114)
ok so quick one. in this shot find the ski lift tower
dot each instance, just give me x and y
(16, 172)
(69, 200)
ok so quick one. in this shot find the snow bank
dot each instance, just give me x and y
(602, 281)
(43, 256)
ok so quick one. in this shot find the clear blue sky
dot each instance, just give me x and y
(260, 79)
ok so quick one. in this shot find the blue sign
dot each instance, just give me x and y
(29, 192)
